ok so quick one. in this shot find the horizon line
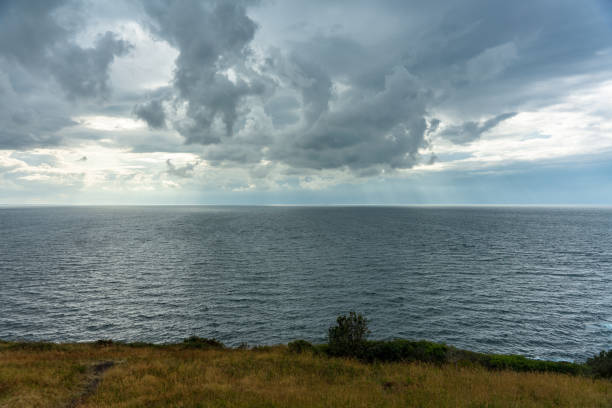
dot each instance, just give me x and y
(6, 205)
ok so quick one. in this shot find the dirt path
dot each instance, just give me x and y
(96, 376)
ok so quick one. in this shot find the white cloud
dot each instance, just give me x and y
(109, 123)
(576, 126)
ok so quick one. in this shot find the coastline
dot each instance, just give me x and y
(202, 372)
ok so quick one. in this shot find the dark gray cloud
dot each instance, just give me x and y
(283, 110)
(484, 57)
(339, 99)
(152, 112)
(314, 85)
(470, 131)
(83, 72)
(212, 38)
(28, 29)
(25, 121)
(317, 85)
(32, 36)
(370, 129)
(433, 125)
(185, 171)
(432, 159)
(378, 124)
(37, 42)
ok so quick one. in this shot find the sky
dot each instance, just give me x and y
(305, 102)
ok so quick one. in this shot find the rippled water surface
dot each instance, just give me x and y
(532, 281)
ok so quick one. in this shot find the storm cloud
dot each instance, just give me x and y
(152, 112)
(261, 94)
(212, 39)
(331, 101)
(367, 128)
(469, 131)
(32, 36)
(83, 72)
(36, 46)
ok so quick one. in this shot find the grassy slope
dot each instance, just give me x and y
(272, 377)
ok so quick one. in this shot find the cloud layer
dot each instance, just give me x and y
(290, 95)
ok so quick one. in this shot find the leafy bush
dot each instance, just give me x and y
(202, 343)
(262, 348)
(36, 346)
(322, 349)
(142, 344)
(300, 346)
(404, 350)
(520, 363)
(348, 336)
(601, 364)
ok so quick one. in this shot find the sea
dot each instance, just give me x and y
(533, 281)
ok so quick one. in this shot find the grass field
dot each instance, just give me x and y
(116, 375)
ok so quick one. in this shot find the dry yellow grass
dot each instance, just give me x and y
(172, 377)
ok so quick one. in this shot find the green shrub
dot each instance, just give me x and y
(404, 350)
(300, 346)
(262, 348)
(202, 343)
(348, 339)
(601, 364)
(348, 336)
(36, 346)
(142, 344)
(520, 363)
(321, 349)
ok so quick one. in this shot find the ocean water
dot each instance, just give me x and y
(530, 281)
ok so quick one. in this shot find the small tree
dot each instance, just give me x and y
(348, 336)
(601, 364)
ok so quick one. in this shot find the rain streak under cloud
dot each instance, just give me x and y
(305, 102)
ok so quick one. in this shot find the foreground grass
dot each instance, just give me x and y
(34, 375)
